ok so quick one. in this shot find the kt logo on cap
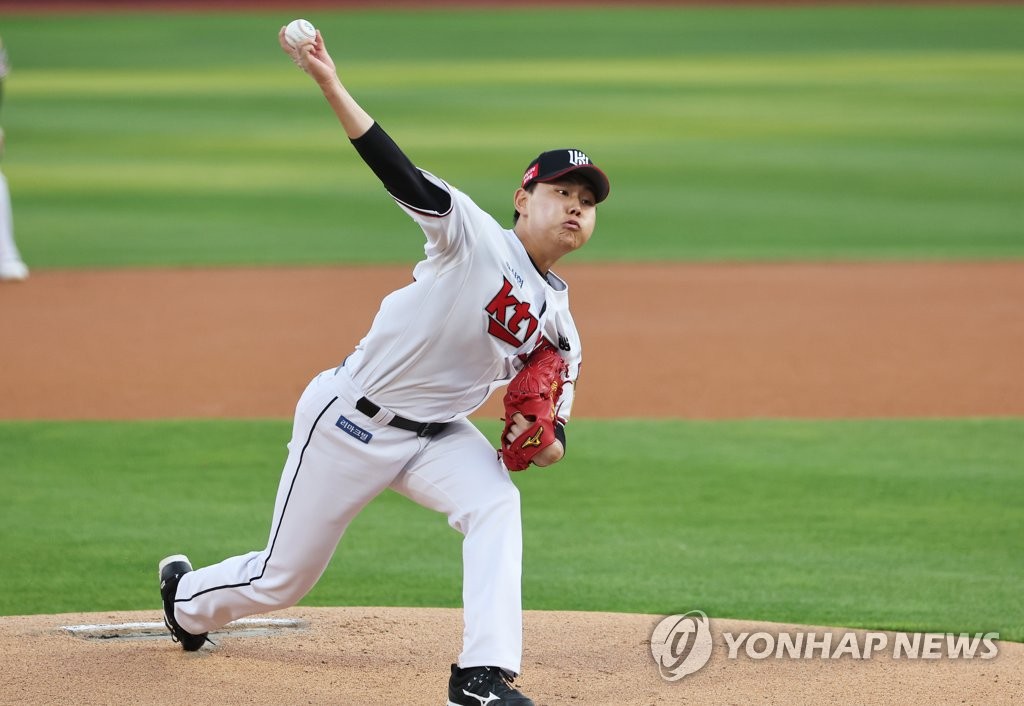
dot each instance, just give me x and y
(577, 158)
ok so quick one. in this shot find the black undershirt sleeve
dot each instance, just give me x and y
(560, 435)
(399, 175)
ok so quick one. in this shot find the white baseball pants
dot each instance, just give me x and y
(8, 248)
(330, 475)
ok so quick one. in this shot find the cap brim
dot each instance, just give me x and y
(595, 176)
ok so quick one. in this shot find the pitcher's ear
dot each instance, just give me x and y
(520, 199)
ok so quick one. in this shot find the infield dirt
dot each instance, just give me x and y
(689, 341)
(686, 341)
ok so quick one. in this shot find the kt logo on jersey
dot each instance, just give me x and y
(508, 317)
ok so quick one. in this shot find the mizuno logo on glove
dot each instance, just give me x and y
(535, 439)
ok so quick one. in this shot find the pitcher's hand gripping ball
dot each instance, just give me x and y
(534, 393)
(299, 32)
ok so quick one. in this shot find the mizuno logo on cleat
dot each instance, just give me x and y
(484, 700)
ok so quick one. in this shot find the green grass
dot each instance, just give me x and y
(904, 525)
(728, 133)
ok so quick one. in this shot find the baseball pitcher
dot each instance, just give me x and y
(484, 310)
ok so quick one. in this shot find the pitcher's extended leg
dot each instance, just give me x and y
(328, 478)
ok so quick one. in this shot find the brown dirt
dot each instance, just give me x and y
(396, 656)
(691, 341)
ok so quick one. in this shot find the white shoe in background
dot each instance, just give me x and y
(13, 270)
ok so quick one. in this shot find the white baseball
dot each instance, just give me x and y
(299, 32)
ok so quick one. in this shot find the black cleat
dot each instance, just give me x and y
(171, 569)
(483, 686)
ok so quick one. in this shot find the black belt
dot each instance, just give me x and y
(421, 428)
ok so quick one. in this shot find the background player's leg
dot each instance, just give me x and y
(11, 265)
(458, 474)
(328, 478)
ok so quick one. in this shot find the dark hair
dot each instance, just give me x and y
(574, 178)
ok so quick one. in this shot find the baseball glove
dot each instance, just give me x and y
(534, 393)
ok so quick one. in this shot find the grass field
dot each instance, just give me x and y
(910, 525)
(737, 133)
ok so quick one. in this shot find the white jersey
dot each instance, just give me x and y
(476, 308)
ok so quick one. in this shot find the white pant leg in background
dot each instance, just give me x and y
(328, 478)
(8, 248)
(458, 473)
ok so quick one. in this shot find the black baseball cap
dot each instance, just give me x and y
(554, 164)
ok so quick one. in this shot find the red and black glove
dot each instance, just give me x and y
(533, 393)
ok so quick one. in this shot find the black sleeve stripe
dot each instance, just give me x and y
(560, 434)
(400, 177)
(423, 212)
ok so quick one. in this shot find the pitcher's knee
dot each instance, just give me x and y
(500, 504)
(509, 495)
(503, 498)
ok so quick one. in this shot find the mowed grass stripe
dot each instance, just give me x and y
(525, 33)
(924, 71)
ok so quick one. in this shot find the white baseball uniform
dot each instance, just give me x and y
(436, 349)
(10, 259)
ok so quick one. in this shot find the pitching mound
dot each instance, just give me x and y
(401, 656)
